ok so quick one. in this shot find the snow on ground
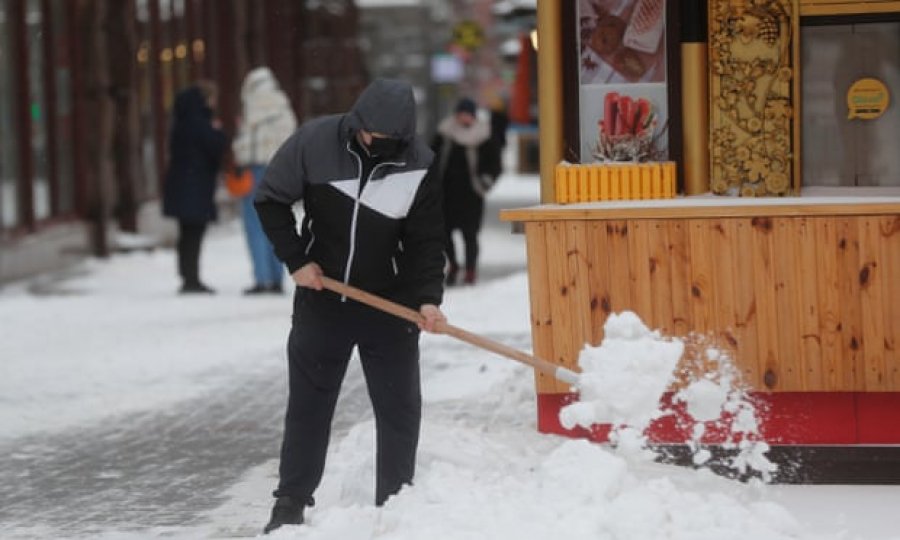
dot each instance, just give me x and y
(120, 341)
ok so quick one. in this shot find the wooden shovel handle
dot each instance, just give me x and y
(411, 315)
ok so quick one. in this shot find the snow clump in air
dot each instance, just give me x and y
(625, 379)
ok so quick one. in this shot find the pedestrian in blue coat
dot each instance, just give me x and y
(196, 146)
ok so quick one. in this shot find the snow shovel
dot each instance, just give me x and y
(411, 315)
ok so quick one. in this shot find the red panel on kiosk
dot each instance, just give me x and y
(808, 417)
(786, 418)
(878, 416)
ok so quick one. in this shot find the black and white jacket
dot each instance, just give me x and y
(387, 237)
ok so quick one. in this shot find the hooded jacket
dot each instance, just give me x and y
(384, 233)
(267, 119)
(195, 153)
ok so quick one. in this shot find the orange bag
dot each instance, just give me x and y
(239, 181)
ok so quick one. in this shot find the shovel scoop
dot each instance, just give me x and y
(411, 315)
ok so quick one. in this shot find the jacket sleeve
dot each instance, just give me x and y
(281, 187)
(423, 242)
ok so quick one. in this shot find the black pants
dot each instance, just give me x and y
(470, 243)
(190, 237)
(323, 335)
(464, 212)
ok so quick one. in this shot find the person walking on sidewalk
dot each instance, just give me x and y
(196, 147)
(266, 122)
(468, 163)
(373, 220)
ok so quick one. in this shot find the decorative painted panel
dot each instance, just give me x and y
(752, 102)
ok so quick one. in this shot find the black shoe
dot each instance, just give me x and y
(194, 288)
(275, 288)
(287, 511)
(256, 289)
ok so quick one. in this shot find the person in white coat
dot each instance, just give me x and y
(267, 120)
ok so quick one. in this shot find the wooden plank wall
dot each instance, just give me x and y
(807, 303)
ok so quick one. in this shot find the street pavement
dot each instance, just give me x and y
(156, 469)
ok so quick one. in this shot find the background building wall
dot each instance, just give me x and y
(86, 92)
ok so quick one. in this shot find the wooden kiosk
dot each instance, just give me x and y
(802, 282)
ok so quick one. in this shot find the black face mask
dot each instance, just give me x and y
(382, 147)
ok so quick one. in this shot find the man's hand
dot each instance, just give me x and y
(309, 276)
(433, 316)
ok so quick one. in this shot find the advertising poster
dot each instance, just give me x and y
(623, 101)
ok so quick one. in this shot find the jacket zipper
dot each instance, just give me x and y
(356, 212)
(312, 236)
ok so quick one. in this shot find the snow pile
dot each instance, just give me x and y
(623, 382)
(575, 489)
(623, 379)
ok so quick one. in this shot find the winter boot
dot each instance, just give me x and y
(256, 290)
(195, 288)
(287, 511)
(275, 288)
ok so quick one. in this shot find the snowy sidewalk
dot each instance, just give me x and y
(129, 408)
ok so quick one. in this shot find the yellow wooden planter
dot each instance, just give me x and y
(614, 181)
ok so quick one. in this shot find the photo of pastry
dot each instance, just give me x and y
(622, 41)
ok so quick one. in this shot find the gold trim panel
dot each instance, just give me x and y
(752, 105)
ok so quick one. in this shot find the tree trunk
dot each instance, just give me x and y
(121, 30)
(99, 113)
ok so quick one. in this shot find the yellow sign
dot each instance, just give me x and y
(468, 35)
(867, 99)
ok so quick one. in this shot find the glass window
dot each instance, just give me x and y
(37, 108)
(839, 150)
(9, 163)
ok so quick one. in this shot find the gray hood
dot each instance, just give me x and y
(386, 106)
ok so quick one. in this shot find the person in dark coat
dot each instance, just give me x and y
(468, 164)
(372, 219)
(196, 148)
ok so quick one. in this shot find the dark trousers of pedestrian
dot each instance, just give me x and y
(190, 237)
(324, 332)
(470, 247)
